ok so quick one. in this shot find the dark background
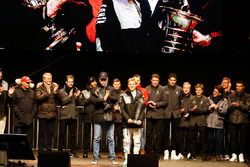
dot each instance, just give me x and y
(22, 42)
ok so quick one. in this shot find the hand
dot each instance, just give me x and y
(71, 93)
(200, 39)
(138, 122)
(116, 107)
(56, 88)
(130, 121)
(11, 90)
(235, 104)
(106, 95)
(78, 93)
(195, 108)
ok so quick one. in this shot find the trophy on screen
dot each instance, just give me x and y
(178, 27)
(34, 4)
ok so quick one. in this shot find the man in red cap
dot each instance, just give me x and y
(24, 107)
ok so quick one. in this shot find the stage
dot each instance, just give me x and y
(104, 162)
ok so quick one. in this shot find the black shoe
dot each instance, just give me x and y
(85, 155)
(191, 158)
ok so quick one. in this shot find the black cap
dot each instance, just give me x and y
(103, 75)
(91, 79)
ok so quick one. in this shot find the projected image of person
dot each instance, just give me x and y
(149, 26)
(67, 21)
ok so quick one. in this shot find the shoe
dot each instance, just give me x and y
(241, 157)
(226, 158)
(219, 157)
(234, 158)
(74, 155)
(114, 162)
(166, 155)
(190, 157)
(94, 162)
(125, 162)
(173, 155)
(142, 152)
(85, 155)
(180, 156)
(120, 155)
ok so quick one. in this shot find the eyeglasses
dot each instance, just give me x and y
(103, 79)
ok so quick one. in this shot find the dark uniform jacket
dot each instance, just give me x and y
(157, 95)
(199, 117)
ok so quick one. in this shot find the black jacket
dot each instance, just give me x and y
(132, 108)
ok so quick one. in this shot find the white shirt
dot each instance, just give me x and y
(133, 93)
(127, 14)
(152, 4)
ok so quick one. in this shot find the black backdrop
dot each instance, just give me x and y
(207, 69)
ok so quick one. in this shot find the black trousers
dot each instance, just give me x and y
(118, 137)
(198, 140)
(86, 136)
(46, 132)
(154, 135)
(183, 139)
(238, 137)
(72, 127)
(171, 140)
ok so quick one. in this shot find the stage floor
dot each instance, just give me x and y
(104, 162)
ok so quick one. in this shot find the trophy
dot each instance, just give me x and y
(178, 28)
(34, 4)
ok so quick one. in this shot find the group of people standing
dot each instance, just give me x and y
(168, 120)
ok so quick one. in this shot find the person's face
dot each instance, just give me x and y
(239, 87)
(186, 88)
(103, 81)
(131, 85)
(1, 75)
(70, 82)
(198, 91)
(93, 84)
(225, 84)
(155, 81)
(137, 81)
(47, 79)
(117, 85)
(25, 85)
(216, 93)
(172, 81)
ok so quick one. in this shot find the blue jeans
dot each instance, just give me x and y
(98, 128)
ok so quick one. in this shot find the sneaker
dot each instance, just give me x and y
(125, 162)
(188, 155)
(226, 158)
(166, 155)
(234, 158)
(94, 162)
(120, 155)
(114, 162)
(173, 155)
(241, 157)
(180, 156)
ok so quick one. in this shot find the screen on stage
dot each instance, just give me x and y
(163, 26)
(17, 146)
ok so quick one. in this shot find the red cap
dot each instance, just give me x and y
(26, 79)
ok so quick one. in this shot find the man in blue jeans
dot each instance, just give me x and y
(103, 119)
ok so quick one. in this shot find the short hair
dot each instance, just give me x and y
(116, 80)
(172, 75)
(137, 75)
(226, 78)
(47, 74)
(155, 75)
(240, 82)
(186, 83)
(199, 85)
(70, 76)
(131, 80)
(219, 88)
